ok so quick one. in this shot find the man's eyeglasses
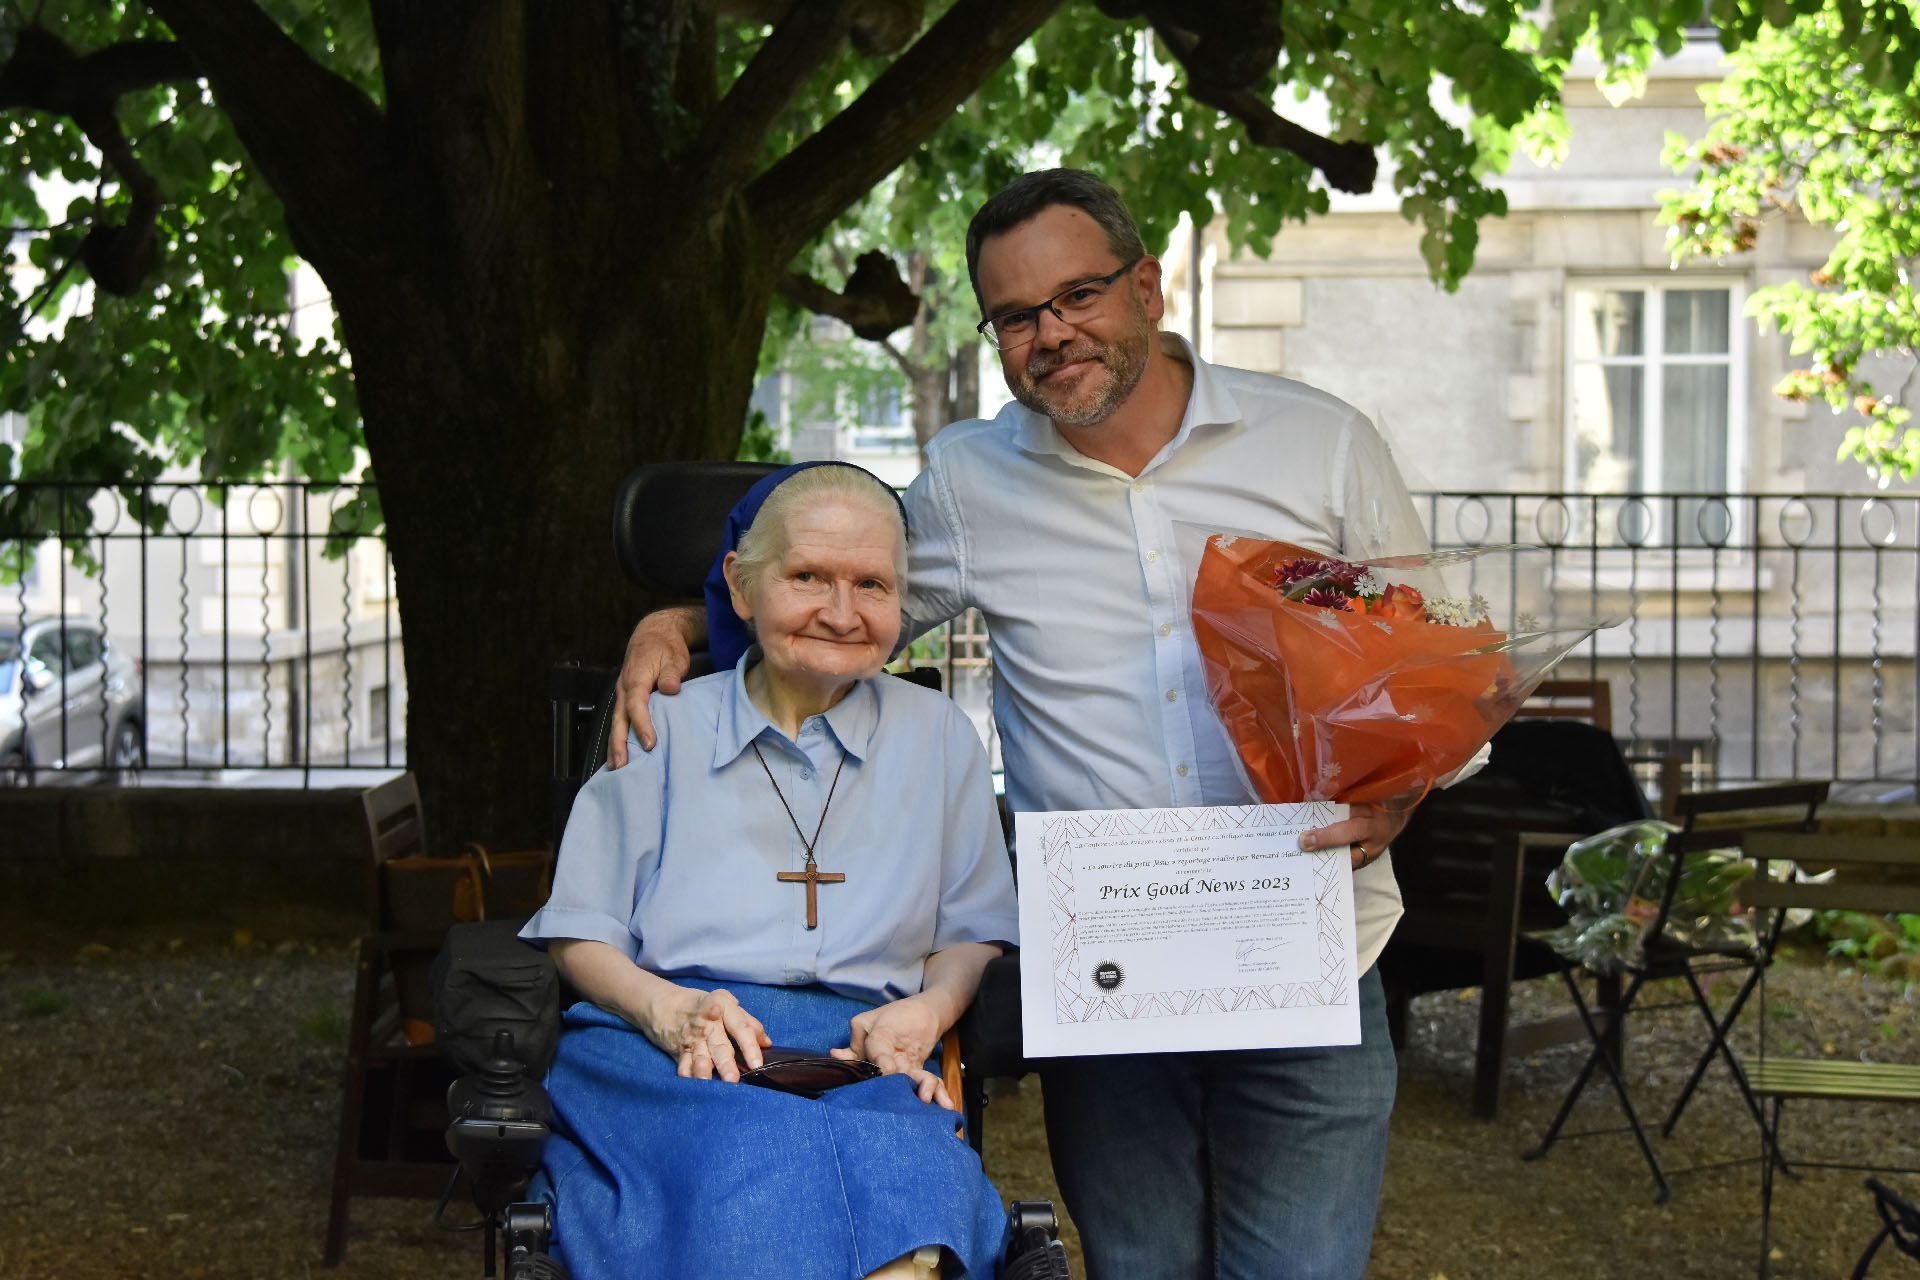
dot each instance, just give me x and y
(1073, 304)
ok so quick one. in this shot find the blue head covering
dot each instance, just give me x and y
(727, 635)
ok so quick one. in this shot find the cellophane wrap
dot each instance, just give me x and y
(1611, 885)
(1326, 703)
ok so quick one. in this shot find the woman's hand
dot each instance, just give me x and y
(897, 1038)
(700, 1031)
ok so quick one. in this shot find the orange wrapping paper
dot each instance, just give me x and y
(1327, 705)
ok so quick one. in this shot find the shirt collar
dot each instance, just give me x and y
(1209, 404)
(853, 720)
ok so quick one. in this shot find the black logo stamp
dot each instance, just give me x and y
(1108, 976)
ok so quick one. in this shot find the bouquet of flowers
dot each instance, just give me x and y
(1611, 886)
(1340, 680)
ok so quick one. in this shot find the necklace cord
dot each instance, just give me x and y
(797, 829)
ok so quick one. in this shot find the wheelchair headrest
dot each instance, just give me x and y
(668, 518)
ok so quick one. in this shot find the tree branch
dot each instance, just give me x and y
(1235, 43)
(809, 186)
(907, 367)
(45, 75)
(1348, 166)
(318, 141)
(728, 147)
(878, 27)
(875, 303)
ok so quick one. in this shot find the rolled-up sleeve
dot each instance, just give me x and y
(976, 891)
(610, 848)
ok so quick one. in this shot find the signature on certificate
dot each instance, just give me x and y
(1253, 946)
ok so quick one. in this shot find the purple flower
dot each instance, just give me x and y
(1303, 569)
(1327, 598)
(1342, 574)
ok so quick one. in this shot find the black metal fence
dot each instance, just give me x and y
(1763, 636)
(262, 629)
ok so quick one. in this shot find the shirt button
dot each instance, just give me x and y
(806, 775)
(1166, 628)
(1153, 557)
(1181, 770)
(1173, 695)
(1139, 486)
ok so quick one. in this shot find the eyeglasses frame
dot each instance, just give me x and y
(1049, 305)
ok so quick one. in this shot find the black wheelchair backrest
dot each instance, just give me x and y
(668, 518)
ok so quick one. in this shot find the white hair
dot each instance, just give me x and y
(766, 540)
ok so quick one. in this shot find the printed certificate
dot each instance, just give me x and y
(1162, 930)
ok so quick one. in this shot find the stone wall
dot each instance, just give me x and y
(181, 861)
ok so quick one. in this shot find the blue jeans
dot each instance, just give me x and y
(1257, 1164)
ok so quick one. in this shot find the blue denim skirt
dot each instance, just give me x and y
(653, 1175)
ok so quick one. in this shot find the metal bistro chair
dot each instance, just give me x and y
(1899, 1222)
(1473, 862)
(1707, 820)
(1874, 874)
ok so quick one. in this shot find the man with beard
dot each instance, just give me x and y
(1059, 520)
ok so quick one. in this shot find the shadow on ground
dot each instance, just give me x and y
(168, 1110)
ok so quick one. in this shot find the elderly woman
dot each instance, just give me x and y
(810, 857)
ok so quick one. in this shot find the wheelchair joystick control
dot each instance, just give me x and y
(499, 1126)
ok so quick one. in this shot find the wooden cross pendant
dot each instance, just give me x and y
(813, 877)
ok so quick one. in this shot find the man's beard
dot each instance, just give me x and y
(1124, 363)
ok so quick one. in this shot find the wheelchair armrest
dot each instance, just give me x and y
(989, 1030)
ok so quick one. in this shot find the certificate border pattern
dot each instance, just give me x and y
(1074, 1002)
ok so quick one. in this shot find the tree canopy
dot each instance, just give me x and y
(181, 350)
(554, 236)
(1820, 118)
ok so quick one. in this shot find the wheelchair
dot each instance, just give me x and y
(497, 999)
(485, 988)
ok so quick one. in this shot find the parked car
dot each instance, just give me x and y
(68, 700)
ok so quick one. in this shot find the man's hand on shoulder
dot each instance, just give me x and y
(658, 656)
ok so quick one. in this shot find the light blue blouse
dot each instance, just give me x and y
(673, 858)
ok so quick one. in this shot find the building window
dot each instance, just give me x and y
(1655, 386)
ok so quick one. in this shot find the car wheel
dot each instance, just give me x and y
(13, 770)
(129, 752)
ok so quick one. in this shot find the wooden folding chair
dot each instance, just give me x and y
(1589, 700)
(392, 1109)
(1874, 874)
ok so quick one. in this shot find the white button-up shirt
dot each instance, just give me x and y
(1084, 575)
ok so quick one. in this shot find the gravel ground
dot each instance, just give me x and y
(168, 1110)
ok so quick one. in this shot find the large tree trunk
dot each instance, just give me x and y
(497, 439)
(552, 244)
